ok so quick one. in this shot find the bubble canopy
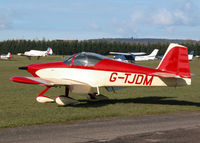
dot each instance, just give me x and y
(85, 59)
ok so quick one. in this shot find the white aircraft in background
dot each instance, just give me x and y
(6, 57)
(126, 57)
(190, 55)
(37, 53)
(151, 56)
(131, 57)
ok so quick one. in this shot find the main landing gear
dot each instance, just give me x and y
(64, 100)
(96, 97)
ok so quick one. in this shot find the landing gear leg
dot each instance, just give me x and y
(66, 91)
(64, 100)
(42, 98)
(96, 96)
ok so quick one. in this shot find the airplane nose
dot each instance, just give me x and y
(23, 68)
(33, 68)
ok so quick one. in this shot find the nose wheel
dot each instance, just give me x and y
(41, 98)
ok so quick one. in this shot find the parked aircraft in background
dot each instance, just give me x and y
(131, 57)
(190, 55)
(37, 53)
(85, 71)
(125, 57)
(6, 57)
(151, 56)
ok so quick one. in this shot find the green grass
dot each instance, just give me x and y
(18, 106)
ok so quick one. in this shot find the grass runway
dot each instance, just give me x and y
(18, 106)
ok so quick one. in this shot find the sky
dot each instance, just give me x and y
(91, 19)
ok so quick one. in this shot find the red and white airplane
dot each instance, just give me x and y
(37, 53)
(85, 71)
(6, 57)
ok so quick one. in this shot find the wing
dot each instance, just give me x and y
(74, 86)
(138, 53)
(135, 54)
(118, 53)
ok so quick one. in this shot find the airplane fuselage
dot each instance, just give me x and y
(35, 53)
(83, 71)
(4, 58)
(101, 75)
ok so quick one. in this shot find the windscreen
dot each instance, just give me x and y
(87, 59)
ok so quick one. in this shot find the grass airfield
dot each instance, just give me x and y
(18, 106)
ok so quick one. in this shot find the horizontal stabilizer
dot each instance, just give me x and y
(175, 61)
(164, 74)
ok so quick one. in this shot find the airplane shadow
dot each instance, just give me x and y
(140, 100)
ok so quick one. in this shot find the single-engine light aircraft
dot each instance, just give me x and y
(6, 57)
(85, 71)
(125, 57)
(131, 57)
(37, 53)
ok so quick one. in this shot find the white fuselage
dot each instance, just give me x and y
(98, 78)
(6, 57)
(144, 58)
(35, 53)
(190, 57)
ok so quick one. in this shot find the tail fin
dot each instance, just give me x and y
(191, 53)
(176, 61)
(154, 53)
(49, 51)
(190, 56)
(9, 55)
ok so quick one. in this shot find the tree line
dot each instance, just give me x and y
(67, 47)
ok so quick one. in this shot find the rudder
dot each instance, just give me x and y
(176, 61)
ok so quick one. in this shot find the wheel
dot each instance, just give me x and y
(64, 100)
(96, 97)
(44, 99)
